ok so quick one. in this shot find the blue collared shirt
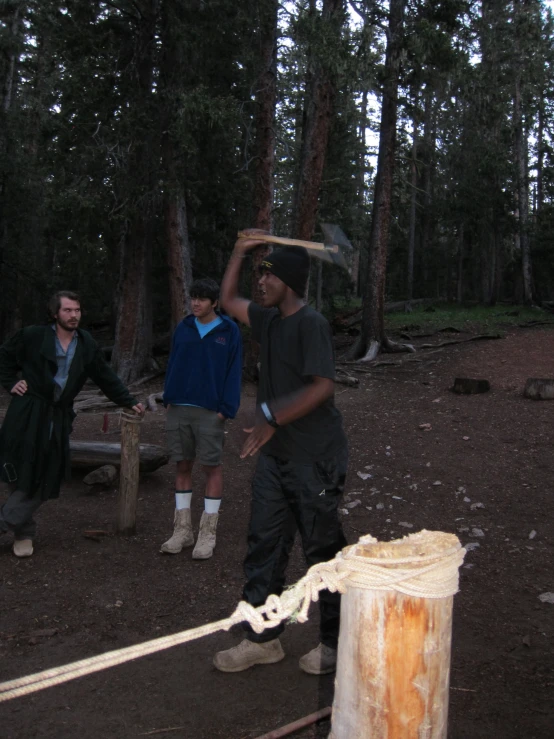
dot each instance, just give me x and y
(64, 360)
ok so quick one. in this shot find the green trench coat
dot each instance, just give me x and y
(34, 438)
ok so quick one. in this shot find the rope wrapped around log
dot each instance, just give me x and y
(429, 576)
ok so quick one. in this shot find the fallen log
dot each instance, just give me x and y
(446, 329)
(537, 389)
(343, 378)
(93, 403)
(94, 454)
(480, 337)
(532, 324)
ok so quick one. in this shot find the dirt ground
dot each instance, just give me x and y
(77, 597)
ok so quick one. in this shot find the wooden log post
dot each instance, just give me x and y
(394, 649)
(129, 473)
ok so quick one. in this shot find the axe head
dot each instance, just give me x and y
(333, 235)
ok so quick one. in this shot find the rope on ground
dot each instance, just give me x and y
(428, 576)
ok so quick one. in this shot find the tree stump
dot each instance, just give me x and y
(394, 649)
(129, 473)
(467, 386)
(539, 389)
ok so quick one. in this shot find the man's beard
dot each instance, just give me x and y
(66, 325)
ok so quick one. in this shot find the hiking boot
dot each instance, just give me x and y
(205, 544)
(182, 533)
(247, 654)
(320, 661)
(23, 547)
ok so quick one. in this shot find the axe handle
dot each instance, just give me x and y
(270, 239)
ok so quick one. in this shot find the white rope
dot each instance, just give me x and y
(130, 416)
(428, 576)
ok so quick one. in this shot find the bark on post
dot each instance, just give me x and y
(129, 474)
(394, 649)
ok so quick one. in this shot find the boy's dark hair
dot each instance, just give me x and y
(205, 288)
(56, 300)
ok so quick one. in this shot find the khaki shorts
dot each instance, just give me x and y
(194, 433)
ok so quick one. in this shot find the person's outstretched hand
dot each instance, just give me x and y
(258, 435)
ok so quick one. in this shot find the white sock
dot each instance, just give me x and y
(211, 505)
(182, 499)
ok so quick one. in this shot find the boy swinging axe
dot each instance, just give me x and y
(301, 468)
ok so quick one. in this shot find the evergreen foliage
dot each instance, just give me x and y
(111, 109)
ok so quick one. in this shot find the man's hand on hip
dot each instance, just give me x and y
(20, 388)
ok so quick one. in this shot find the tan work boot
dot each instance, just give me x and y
(205, 544)
(247, 654)
(320, 661)
(23, 547)
(182, 533)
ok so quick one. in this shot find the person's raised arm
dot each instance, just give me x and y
(234, 305)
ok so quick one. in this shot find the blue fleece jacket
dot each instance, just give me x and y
(205, 372)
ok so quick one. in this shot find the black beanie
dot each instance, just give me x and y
(291, 265)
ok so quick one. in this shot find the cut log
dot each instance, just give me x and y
(468, 386)
(94, 454)
(539, 389)
(126, 519)
(394, 649)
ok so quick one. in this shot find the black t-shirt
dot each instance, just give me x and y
(292, 351)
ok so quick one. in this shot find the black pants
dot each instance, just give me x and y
(287, 496)
(17, 514)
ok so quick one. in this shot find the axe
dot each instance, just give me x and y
(328, 251)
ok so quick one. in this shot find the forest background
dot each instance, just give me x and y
(138, 136)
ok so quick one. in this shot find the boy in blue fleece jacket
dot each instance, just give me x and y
(202, 390)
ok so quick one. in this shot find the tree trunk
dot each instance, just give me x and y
(428, 156)
(8, 82)
(8, 278)
(372, 329)
(178, 254)
(522, 180)
(460, 278)
(265, 133)
(318, 112)
(540, 157)
(133, 334)
(413, 213)
(173, 80)
(266, 98)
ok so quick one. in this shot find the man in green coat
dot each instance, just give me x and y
(44, 368)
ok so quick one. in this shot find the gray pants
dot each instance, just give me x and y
(17, 515)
